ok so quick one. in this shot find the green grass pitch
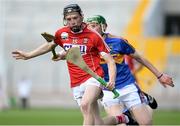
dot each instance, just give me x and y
(70, 117)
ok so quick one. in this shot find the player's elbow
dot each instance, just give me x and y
(112, 61)
(109, 59)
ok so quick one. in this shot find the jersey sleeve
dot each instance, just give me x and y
(101, 45)
(57, 39)
(126, 47)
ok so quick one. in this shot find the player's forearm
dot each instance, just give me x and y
(111, 67)
(45, 48)
(148, 65)
(112, 71)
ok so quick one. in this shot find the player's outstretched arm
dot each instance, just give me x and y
(46, 47)
(164, 79)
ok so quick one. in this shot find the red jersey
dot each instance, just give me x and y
(90, 44)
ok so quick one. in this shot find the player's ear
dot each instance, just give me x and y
(82, 17)
(103, 26)
(64, 22)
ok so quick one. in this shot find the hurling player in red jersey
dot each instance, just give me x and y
(86, 90)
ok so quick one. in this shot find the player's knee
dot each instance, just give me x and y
(145, 121)
(85, 107)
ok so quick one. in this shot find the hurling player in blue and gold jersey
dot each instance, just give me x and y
(131, 97)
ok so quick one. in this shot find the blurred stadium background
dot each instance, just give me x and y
(152, 26)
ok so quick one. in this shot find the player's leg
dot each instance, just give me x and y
(113, 110)
(78, 93)
(142, 114)
(119, 119)
(138, 109)
(89, 106)
(115, 119)
(132, 121)
(112, 107)
(88, 101)
(96, 112)
(151, 101)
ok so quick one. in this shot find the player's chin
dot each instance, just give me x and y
(75, 28)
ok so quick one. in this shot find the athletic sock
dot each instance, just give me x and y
(122, 119)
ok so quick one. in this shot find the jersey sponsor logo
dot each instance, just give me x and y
(118, 58)
(83, 48)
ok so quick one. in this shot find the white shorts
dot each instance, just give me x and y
(129, 97)
(78, 91)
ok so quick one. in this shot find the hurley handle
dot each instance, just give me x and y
(54, 53)
(103, 82)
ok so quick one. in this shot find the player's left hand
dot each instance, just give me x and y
(60, 56)
(166, 80)
(111, 85)
(18, 54)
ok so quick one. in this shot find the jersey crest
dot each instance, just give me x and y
(64, 35)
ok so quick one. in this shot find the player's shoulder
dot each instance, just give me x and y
(62, 32)
(62, 29)
(122, 41)
(93, 33)
(117, 37)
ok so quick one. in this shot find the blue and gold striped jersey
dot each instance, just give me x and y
(119, 47)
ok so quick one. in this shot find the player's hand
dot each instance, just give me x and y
(110, 85)
(166, 80)
(59, 57)
(17, 54)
